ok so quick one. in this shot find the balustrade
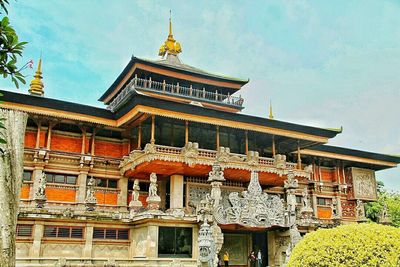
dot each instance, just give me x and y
(177, 90)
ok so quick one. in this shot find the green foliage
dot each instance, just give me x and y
(10, 48)
(355, 245)
(373, 210)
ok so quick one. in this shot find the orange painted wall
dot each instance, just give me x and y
(110, 149)
(24, 194)
(324, 212)
(142, 199)
(43, 134)
(30, 139)
(106, 198)
(327, 175)
(66, 143)
(60, 194)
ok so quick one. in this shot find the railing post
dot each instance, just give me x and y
(204, 92)
(216, 95)
(163, 85)
(229, 98)
(149, 82)
(135, 81)
(177, 88)
(190, 90)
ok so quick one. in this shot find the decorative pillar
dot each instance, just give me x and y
(38, 230)
(39, 124)
(48, 141)
(123, 193)
(81, 194)
(139, 136)
(186, 132)
(83, 148)
(153, 129)
(218, 144)
(36, 174)
(298, 156)
(176, 191)
(93, 142)
(273, 146)
(87, 250)
(246, 141)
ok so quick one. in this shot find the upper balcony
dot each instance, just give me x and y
(175, 90)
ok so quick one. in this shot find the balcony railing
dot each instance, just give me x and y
(174, 90)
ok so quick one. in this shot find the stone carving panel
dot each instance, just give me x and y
(110, 251)
(364, 184)
(198, 192)
(22, 249)
(62, 250)
(252, 208)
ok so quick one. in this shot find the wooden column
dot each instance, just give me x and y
(186, 132)
(39, 124)
(218, 145)
(246, 134)
(153, 129)
(139, 140)
(48, 141)
(92, 143)
(83, 147)
(273, 146)
(298, 156)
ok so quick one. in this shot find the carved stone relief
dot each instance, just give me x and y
(364, 184)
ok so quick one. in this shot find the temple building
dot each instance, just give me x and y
(171, 173)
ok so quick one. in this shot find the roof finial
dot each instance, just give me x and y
(271, 116)
(36, 87)
(170, 46)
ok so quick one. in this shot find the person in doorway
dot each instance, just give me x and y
(259, 258)
(252, 259)
(226, 258)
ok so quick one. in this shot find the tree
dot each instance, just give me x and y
(366, 244)
(391, 200)
(12, 133)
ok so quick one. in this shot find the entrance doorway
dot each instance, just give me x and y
(260, 243)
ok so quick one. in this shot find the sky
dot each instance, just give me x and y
(322, 63)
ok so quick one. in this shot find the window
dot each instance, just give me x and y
(107, 233)
(175, 242)
(63, 231)
(27, 176)
(324, 201)
(61, 178)
(24, 230)
(107, 183)
(298, 199)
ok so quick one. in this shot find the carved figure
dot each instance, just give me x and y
(206, 244)
(90, 201)
(216, 174)
(280, 161)
(334, 206)
(384, 216)
(190, 152)
(252, 158)
(136, 189)
(306, 199)
(223, 154)
(291, 182)
(360, 210)
(153, 185)
(40, 195)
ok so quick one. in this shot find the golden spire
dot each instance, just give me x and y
(36, 87)
(271, 116)
(170, 46)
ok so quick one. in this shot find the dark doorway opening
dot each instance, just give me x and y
(260, 243)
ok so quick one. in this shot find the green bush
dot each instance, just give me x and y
(355, 245)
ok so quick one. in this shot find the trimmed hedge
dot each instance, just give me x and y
(355, 245)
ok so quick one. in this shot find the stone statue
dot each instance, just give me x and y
(136, 189)
(216, 174)
(153, 199)
(384, 216)
(40, 195)
(280, 161)
(135, 204)
(306, 199)
(90, 200)
(334, 206)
